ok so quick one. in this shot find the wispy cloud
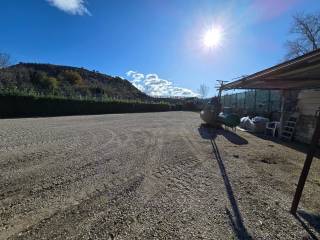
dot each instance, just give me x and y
(74, 7)
(152, 85)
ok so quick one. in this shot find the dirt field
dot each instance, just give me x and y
(148, 176)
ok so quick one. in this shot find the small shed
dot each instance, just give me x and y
(301, 75)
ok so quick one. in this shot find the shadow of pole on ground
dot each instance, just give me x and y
(308, 220)
(235, 218)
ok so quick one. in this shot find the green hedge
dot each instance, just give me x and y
(28, 106)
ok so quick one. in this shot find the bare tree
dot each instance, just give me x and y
(306, 31)
(203, 90)
(5, 60)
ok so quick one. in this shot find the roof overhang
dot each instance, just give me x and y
(299, 73)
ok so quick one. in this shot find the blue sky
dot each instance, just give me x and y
(157, 44)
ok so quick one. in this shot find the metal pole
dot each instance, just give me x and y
(244, 104)
(282, 113)
(307, 165)
(255, 101)
(219, 99)
(269, 100)
(221, 82)
(236, 96)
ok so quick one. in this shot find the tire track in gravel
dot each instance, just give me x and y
(98, 220)
(119, 184)
(94, 172)
(29, 194)
(41, 162)
(125, 176)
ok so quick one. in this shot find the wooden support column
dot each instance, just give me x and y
(283, 99)
(307, 165)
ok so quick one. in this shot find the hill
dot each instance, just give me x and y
(49, 79)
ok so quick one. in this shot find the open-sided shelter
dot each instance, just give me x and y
(300, 74)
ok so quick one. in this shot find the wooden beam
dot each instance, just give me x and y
(307, 165)
(277, 85)
(310, 60)
(292, 79)
(315, 65)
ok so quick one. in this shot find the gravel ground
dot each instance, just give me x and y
(148, 176)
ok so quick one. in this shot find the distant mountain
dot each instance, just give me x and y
(66, 81)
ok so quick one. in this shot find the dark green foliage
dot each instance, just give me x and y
(42, 81)
(28, 106)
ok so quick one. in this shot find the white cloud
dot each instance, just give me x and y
(152, 85)
(74, 7)
(137, 77)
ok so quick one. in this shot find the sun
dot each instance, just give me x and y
(212, 38)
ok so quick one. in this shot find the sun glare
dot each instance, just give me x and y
(213, 37)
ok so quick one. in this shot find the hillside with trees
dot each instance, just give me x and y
(29, 89)
(70, 82)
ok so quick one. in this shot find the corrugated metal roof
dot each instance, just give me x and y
(300, 73)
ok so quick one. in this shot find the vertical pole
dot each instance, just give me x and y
(269, 100)
(280, 95)
(255, 101)
(281, 112)
(307, 165)
(219, 99)
(244, 103)
(236, 95)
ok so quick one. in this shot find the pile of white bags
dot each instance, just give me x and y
(246, 123)
(256, 124)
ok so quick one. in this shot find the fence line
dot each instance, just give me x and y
(254, 101)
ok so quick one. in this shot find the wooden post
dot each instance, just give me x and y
(282, 112)
(307, 165)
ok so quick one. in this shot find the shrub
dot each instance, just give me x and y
(41, 80)
(73, 77)
(50, 83)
